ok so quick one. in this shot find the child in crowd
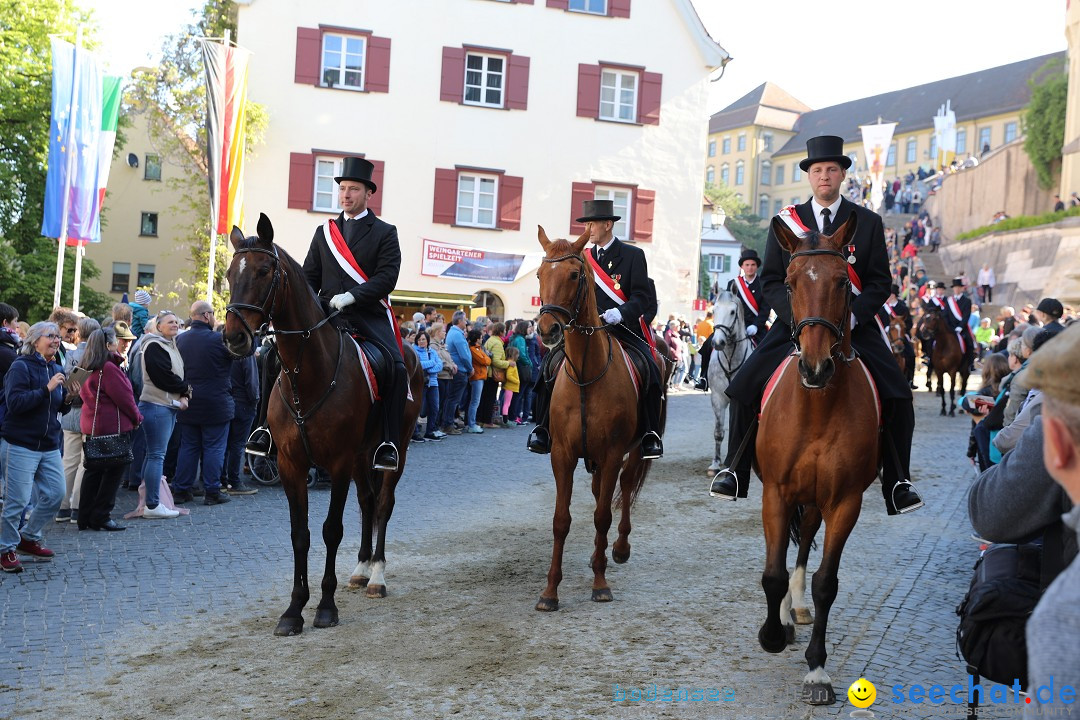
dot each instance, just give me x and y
(512, 384)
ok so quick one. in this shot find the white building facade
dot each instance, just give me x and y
(484, 119)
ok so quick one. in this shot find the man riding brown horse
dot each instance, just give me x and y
(626, 300)
(825, 166)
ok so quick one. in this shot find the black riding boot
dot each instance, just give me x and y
(540, 439)
(900, 494)
(704, 356)
(734, 481)
(651, 446)
(386, 455)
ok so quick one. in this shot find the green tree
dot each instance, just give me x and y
(173, 98)
(1044, 120)
(27, 260)
(741, 222)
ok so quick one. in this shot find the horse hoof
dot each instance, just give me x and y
(802, 616)
(325, 618)
(547, 604)
(952, 413)
(357, 581)
(772, 645)
(620, 557)
(602, 595)
(818, 694)
(376, 591)
(943, 413)
(789, 634)
(288, 626)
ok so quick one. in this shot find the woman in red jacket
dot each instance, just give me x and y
(108, 409)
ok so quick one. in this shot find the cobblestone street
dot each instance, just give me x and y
(175, 618)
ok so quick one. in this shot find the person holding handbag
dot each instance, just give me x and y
(164, 394)
(109, 412)
(497, 351)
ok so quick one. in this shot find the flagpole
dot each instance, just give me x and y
(70, 144)
(216, 199)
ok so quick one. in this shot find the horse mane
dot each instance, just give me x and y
(292, 267)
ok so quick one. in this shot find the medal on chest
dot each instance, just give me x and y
(617, 279)
(851, 254)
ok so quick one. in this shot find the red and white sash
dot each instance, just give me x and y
(746, 295)
(961, 331)
(607, 285)
(884, 330)
(795, 224)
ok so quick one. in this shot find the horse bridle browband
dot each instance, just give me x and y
(836, 329)
(572, 325)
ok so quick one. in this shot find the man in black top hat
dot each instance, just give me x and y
(957, 315)
(627, 304)
(747, 288)
(825, 167)
(363, 297)
(895, 307)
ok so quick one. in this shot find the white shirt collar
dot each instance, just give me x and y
(357, 217)
(605, 247)
(743, 276)
(818, 207)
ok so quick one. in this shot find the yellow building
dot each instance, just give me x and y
(988, 106)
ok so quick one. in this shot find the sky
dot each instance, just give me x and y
(846, 49)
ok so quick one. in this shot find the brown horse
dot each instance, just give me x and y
(593, 396)
(817, 445)
(947, 358)
(897, 332)
(318, 415)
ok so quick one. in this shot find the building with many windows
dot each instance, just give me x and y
(485, 119)
(762, 136)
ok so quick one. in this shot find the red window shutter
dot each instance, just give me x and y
(445, 200)
(588, 91)
(579, 193)
(619, 8)
(644, 204)
(375, 202)
(649, 113)
(510, 202)
(378, 65)
(558, 4)
(301, 180)
(308, 50)
(453, 75)
(517, 83)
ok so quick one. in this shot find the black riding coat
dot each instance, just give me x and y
(374, 245)
(759, 318)
(626, 265)
(872, 267)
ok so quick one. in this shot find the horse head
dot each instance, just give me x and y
(725, 320)
(929, 324)
(819, 289)
(565, 288)
(254, 276)
(897, 330)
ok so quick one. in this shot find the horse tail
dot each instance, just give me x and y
(795, 524)
(635, 485)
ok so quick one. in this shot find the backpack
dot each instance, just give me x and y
(135, 371)
(1004, 591)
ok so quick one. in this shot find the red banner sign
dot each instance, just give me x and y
(701, 304)
(536, 302)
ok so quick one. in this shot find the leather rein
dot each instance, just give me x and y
(837, 329)
(572, 324)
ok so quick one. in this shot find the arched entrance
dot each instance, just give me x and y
(492, 304)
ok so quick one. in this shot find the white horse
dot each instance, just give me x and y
(731, 347)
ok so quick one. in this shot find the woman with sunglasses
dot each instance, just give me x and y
(30, 445)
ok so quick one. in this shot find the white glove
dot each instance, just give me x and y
(344, 300)
(852, 321)
(612, 316)
(751, 331)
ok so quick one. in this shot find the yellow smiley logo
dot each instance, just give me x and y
(862, 693)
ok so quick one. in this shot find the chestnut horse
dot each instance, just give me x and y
(817, 444)
(897, 331)
(593, 398)
(947, 358)
(320, 414)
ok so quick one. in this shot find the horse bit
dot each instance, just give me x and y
(835, 329)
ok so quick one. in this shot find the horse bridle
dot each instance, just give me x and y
(729, 332)
(836, 329)
(571, 324)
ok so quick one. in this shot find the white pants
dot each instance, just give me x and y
(73, 470)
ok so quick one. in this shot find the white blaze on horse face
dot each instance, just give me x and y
(243, 264)
(811, 273)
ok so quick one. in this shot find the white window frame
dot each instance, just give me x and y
(616, 104)
(326, 164)
(725, 174)
(766, 172)
(712, 148)
(486, 73)
(710, 175)
(1013, 127)
(725, 145)
(766, 142)
(890, 157)
(778, 174)
(961, 140)
(740, 142)
(586, 6)
(764, 199)
(344, 54)
(719, 263)
(796, 172)
(474, 207)
(911, 150)
(740, 172)
(623, 202)
(986, 136)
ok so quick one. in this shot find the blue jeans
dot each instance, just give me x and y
(477, 387)
(206, 443)
(457, 387)
(24, 471)
(239, 430)
(158, 423)
(430, 408)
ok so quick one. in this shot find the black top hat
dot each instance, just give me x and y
(957, 282)
(1052, 307)
(749, 254)
(895, 289)
(358, 169)
(598, 210)
(825, 148)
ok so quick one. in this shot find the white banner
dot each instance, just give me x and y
(876, 140)
(945, 134)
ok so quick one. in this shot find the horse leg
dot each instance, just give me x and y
(326, 615)
(811, 523)
(775, 515)
(720, 409)
(941, 391)
(952, 394)
(629, 479)
(603, 489)
(294, 481)
(562, 467)
(366, 499)
(817, 685)
(384, 508)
